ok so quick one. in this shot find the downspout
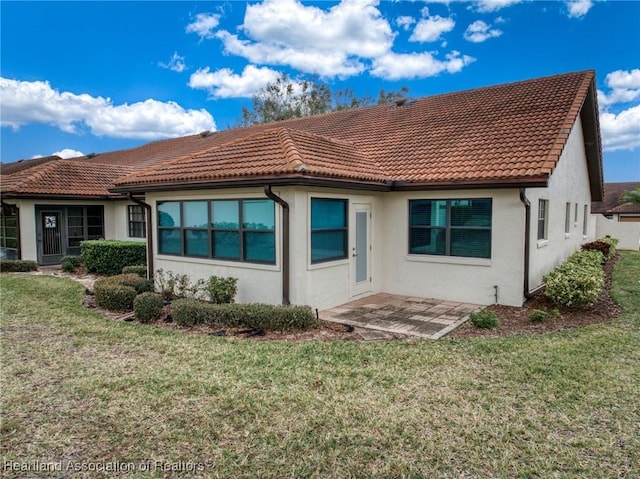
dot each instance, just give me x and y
(285, 242)
(149, 221)
(527, 240)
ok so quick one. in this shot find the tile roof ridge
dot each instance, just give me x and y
(292, 156)
(580, 95)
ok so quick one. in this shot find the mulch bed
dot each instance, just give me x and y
(515, 320)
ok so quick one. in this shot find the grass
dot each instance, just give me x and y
(80, 391)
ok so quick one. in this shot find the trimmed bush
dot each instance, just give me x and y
(613, 243)
(190, 312)
(485, 319)
(113, 296)
(111, 292)
(578, 281)
(70, 263)
(221, 290)
(538, 316)
(17, 266)
(600, 246)
(110, 256)
(139, 269)
(148, 307)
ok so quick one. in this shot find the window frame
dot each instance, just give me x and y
(136, 228)
(585, 220)
(9, 213)
(543, 220)
(567, 218)
(210, 230)
(85, 217)
(343, 229)
(449, 228)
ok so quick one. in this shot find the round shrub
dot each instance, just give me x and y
(70, 263)
(485, 319)
(141, 285)
(114, 296)
(148, 307)
(140, 270)
(538, 316)
(577, 282)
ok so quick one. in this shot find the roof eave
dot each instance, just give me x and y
(53, 196)
(592, 142)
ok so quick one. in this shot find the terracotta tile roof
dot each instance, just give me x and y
(275, 151)
(75, 177)
(507, 132)
(611, 203)
(502, 134)
(10, 168)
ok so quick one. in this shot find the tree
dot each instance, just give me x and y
(632, 196)
(284, 99)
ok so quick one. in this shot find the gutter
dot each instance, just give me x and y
(285, 242)
(527, 240)
(148, 214)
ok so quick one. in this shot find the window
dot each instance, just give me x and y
(567, 218)
(451, 227)
(584, 220)
(137, 223)
(237, 230)
(329, 229)
(84, 223)
(543, 219)
(8, 232)
(575, 215)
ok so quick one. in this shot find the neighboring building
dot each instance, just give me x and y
(469, 196)
(614, 207)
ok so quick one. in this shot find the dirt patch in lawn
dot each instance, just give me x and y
(515, 320)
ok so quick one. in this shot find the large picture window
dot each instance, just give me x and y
(8, 232)
(329, 229)
(450, 227)
(84, 223)
(236, 230)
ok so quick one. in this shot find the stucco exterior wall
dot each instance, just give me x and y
(628, 234)
(455, 278)
(569, 183)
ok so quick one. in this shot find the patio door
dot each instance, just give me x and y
(51, 233)
(361, 250)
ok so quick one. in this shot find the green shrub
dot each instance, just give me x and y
(485, 319)
(114, 296)
(148, 307)
(70, 263)
(538, 316)
(190, 312)
(110, 256)
(600, 246)
(221, 290)
(174, 286)
(17, 266)
(613, 244)
(139, 269)
(578, 281)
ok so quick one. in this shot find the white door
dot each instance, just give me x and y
(361, 250)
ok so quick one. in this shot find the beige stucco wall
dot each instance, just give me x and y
(628, 234)
(454, 278)
(568, 183)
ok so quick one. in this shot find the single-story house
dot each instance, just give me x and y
(469, 196)
(614, 207)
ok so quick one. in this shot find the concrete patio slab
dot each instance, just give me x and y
(421, 317)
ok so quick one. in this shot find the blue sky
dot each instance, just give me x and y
(85, 77)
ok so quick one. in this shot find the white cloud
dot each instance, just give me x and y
(578, 8)
(405, 22)
(25, 102)
(176, 63)
(431, 28)
(621, 131)
(312, 40)
(624, 85)
(485, 6)
(224, 83)
(68, 153)
(397, 66)
(479, 31)
(204, 25)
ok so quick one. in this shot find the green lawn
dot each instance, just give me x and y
(81, 391)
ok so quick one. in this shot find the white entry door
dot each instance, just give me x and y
(361, 250)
